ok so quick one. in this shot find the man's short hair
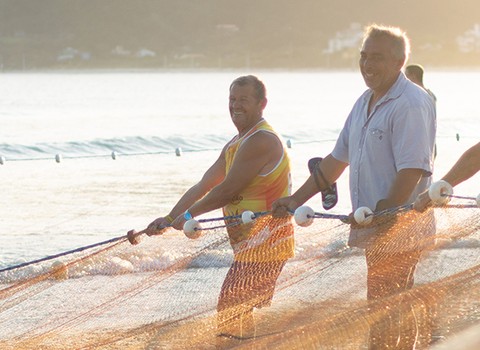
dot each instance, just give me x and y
(260, 90)
(401, 43)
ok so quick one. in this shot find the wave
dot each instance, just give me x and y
(99, 147)
(133, 145)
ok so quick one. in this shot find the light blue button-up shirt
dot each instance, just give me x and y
(398, 134)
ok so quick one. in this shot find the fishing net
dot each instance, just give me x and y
(163, 292)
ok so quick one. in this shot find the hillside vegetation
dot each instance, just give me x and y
(44, 34)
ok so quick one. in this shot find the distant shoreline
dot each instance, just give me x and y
(214, 70)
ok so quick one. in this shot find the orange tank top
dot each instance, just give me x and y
(267, 238)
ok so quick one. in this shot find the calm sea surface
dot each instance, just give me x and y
(48, 207)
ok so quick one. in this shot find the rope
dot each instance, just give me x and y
(317, 215)
(390, 211)
(50, 257)
(460, 206)
(59, 157)
(343, 218)
(394, 210)
(226, 218)
(459, 197)
(113, 155)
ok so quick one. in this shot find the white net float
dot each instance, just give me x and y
(248, 216)
(437, 190)
(304, 216)
(192, 229)
(363, 215)
(478, 200)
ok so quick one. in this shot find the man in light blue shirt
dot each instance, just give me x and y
(388, 142)
(396, 135)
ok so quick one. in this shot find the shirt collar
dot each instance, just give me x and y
(394, 92)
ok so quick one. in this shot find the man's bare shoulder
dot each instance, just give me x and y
(263, 148)
(264, 138)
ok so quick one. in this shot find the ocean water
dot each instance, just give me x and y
(47, 207)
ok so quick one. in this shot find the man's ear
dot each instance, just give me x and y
(264, 103)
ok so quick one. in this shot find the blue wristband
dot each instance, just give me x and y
(187, 216)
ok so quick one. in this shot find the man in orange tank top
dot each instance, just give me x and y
(252, 171)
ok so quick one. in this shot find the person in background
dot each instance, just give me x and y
(465, 167)
(388, 141)
(415, 72)
(252, 171)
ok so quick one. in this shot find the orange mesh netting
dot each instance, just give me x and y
(163, 293)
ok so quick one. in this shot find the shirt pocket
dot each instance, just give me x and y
(376, 135)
